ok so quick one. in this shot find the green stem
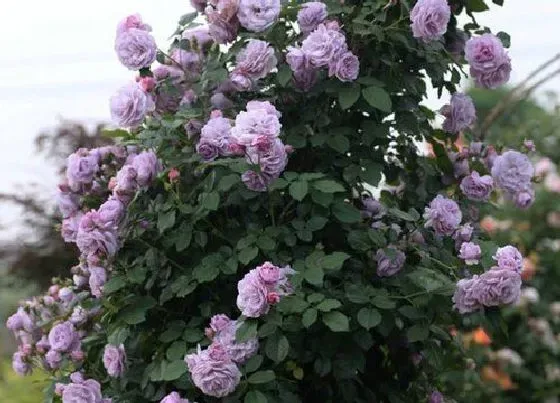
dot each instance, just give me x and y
(173, 262)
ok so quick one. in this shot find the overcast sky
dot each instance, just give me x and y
(57, 60)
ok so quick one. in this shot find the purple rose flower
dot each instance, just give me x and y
(174, 397)
(213, 372)
(53, 359)
(476, 187)
(239, 352)
(198, 5)
(70, 227)
(252, 295)
(305, 79)
(498, 287)
(136, 49)
(81, 168)
(429, 19)
(133, 21)
(97, 279)
(251, 124)
(68, 203)
(463, 234)
(198, 35)
(219, 322)
(20, 321)
(207, 149)
(255, 182)
(509, 258)
(269, 273)
(372, 208)
(256, 60)
(220, 101)
(146, 166)
(96, 238)
(258, 15)
(62, 337)
(263, 106)
(311, 15)
(272, 158)
(489, 62)
(20, 365)
(460, 114)
(215, 138)
(470, 253)
(85, 391)
(323, 46)
(79, 316)
(346, 67)
(223, 21)
(240, 81)
(130, 105)
(189, 61)
(524, 199)
(512, 172)
(111, 212)
(443, 215)
(465, 298)
(436, 397)
(389, 261)
(296, 59)
(114, 360)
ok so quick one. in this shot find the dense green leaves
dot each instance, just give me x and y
(378, 98)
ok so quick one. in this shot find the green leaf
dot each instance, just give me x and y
(357, 294)
(292, 304)
(165, 220)
(401, 214)
(173, 370)
(118, 336)
(339, 143)
(314, 275)
(346, 213)
(136, 312)
(316, 223)
(114, 284)
(248, 254)
(476, 6)
(372, 173)
(298, 190)
(369, 317)
(253, 363)
(336, 321)
(383, 302)
(348, 95)
(417, 333)
(262, 377)
(176, 351)
(247, 330)
(210, 201)
(188, 18)
(192, 335)
(335, 260)
(430, 280)
(284, 75)
(204, 273)
(505, 38)
(378, 98)
(328, 186)
(277, 347)
(309, 317)
(254, 396)
(328, 305)
(498, 2)
(227, 182)
(116, 133)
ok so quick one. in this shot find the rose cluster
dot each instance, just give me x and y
(80, 390)
(215, 370)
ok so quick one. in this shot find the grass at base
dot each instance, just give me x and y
(18, 389)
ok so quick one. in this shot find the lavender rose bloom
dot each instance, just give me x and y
(443, 215)
(136, 49)
(346, 68)
(251, 124)
(62, 336)
(114, 360)
(460, 114)
(296, 59)
(239, 352)
(509, 258)
(70, 226)
(68, 203)
(53, 359)
(272, 160)
(323, 46)
(463, 234)
(256, 60)
(133, 21)
(88, 391)
(199, 35)
(470, 253)
(429, 19)
(311, 15)
(19, 365)
(476, 187)
(465, 297)
(112, 211)
(223, 21)
(258, 15)
(130, 105)
(81, 168)
(20, 321)
(524, 198)
(96, 238)
(436, 397)
(213, 372)
(174, 397)
(240, 81)
(252, 295)
(494, 79)
(255, 181)
(389, 261)
(215, 138)
(220, 101)
(79, 316)
(490, 64)
(97, 279)
(207, 149)
(512, 171)
(499, 287)
(146, 166)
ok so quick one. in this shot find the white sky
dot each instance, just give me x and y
(57, 60)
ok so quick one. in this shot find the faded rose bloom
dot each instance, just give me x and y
(258, 15)
(213, 372)
(136, 49)
(470, 253)
(389, 261)
(219, 322)
(252, 297)
(429, 19)
(498, 287)
(114, 360)
(263, 106)
(96, 238)
(465, 299)
(215, 138)
(311, 15)
(70, 225)
(223, 21)
(79, 316)
(130, 105)
(240, 81)
(476, 187)
(494, 79)
(346, 68)
(460, 114)
(443, 215)
(239, 352)
(133, 21)
(323, 46)
(512, 172)
(256, 60)
(296, 59)
(510, 258)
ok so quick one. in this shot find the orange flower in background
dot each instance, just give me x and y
(479, 336)
(501, 378)
(489, 224)
(529, 267)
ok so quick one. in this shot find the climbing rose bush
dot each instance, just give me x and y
(237, 244)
